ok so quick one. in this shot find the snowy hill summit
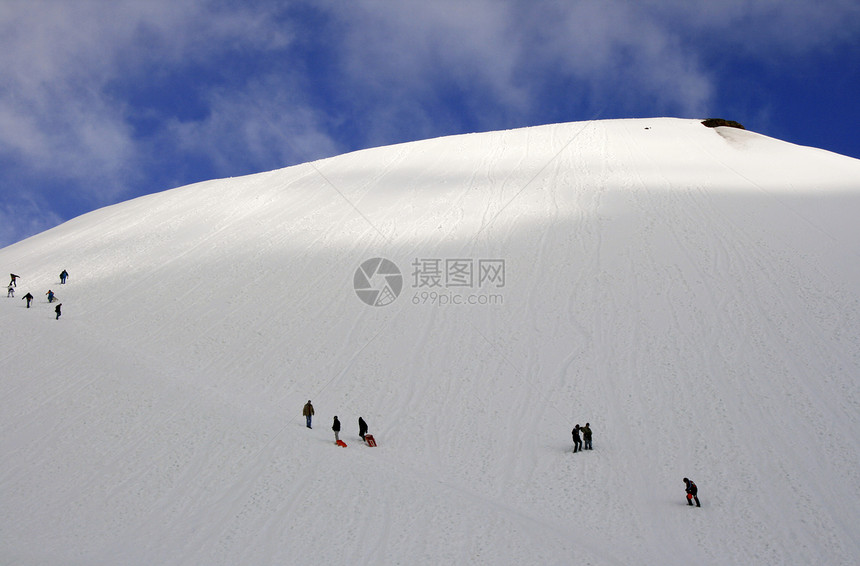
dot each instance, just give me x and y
(691, 292)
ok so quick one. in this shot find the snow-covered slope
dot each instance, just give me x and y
(690, 292)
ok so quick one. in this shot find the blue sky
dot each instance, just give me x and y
(103, 101)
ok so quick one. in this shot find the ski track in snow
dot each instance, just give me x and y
(684, 290)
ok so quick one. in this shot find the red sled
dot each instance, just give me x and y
(341, 443)
(368, 438)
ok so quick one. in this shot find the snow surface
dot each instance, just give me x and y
(690, 292)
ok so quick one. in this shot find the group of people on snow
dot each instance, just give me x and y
(308, 413)
(586, 436)
(13, 284)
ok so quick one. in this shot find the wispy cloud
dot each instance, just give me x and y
(621, 56)
(61, 59)
(509, 58)
(761, 29)
(265, 125)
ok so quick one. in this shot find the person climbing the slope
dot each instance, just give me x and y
(63, 276)
(14, 279)
(577, 441)
(692, 492)
(50, 296)
(308, 412)
(57, 310)
(10, 291)
(28, 297)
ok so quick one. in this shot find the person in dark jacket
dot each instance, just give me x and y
(14, 281)
(577, 441)
(308, 412)
(586, 436)
(692, 492)
(63, 277)
(28, 297)
(57, 310)
(335, 426)
(362, 427)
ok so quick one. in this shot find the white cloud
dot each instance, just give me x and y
(764, 28)
(504, 55)
(411, 45)
(59, 59)
(50, 106)
(621, 54)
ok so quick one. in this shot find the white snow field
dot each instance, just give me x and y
(693, 293)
